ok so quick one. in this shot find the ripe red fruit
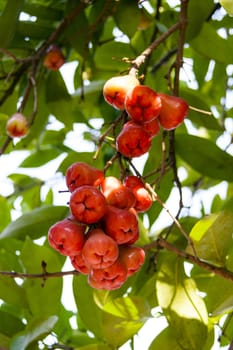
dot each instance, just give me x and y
(87, 204)
(116, 194)
(79, 264)
(99, 250)
(121, 225)
(174, 110)
(17, 126)
(81, 173)
(152, 127)
(115, 89)
(133, 257)
(142, 103)
(109, 278)
(53, 58)
(67, 237)
(133, 140)
(143, 197)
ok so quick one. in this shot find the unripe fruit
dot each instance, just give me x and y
(17, 126)
(79, 264)
(174, 110)
(142, 103)
(121, 225)
(133, 257)
(53, 58)
(99, 250)
(87, 204)
(67, 237)
(133, 140)
(81, 173)
(116, 194)
(109, 278)
(143, 197)
(115, 89)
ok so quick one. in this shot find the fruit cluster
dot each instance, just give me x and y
(147, 110)
(100, 233)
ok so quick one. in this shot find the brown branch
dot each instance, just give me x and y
(44, 275)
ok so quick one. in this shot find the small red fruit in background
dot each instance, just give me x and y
(121, 225)
(87, 204)
(81, 173)
(115, 89)
(133, 257)
(142, 103)
(116, 194)
(99, 250)
(67, 237)
(53, 58)
(133, 140)
(143, 197)
(174, 110)
(17, 126)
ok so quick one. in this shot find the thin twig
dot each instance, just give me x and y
(43, 275)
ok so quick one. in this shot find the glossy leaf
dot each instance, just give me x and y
(228, 6)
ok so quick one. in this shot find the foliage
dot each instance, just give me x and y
(190, 56)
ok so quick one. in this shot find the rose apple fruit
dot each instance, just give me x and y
(142, 103)
(79, 264)
(80, 173)
(108, 278)
(115, 89)
(121, 225)
(67, 236)
(133, 140)
(53, 58)
(99, 250)
(174, 110)
(133, 257)
(17, 126)
(116, 194)
(143, 197)
(87, 204)
(152, 127)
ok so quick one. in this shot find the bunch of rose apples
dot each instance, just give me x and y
(99, 234)
(147, 111)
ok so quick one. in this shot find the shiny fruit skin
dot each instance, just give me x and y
(99, 250)
(53, 58)
(80, 173)
(67, 237)
(152, 127)
(109, 278)
(142, 103)
(117, 194)
(116, 88)
(79, 264)
(133, 257)
(87, 204)
(17, 126)
(133, 140)
(143, 197)
(173, 112)
(121, 225)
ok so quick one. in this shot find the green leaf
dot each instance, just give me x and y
(212, 237)
(35, 223)
(40, 157)
(5, 213)
(36, 328)
(228, 6)
(9, 324)
(128, 9)
(166, 341)
(8, 20)
(211, 45)
(204, 156)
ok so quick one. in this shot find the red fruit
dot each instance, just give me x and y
(116, 194)
(133, 140)
(67, 237)
(80, 173)
(79, 264)
(109, 278)
(115, 89)
(17, 126)
(87, 204)
(174, 110)
(133, 257)
(142, 103)
(99, 250)
(143, 197)
(152, 127)
(121, 225)
(54, 58)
